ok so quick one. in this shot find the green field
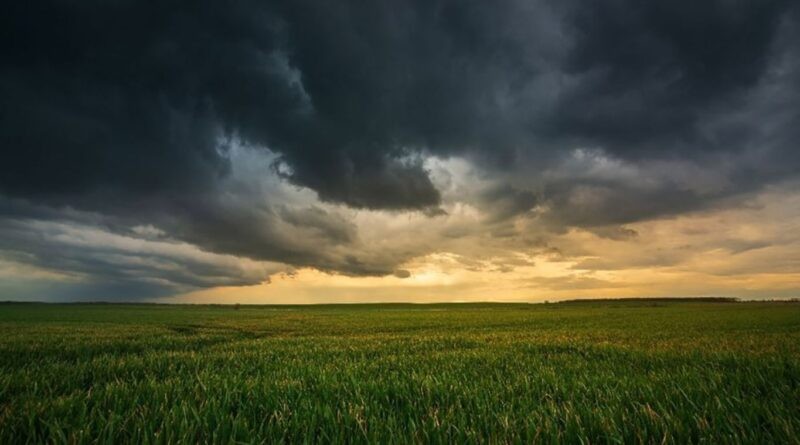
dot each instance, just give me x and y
(606, 372)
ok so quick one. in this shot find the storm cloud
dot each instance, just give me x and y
(268, 131)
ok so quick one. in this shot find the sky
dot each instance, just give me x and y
(315, 152)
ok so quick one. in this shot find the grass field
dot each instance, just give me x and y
(559, 373)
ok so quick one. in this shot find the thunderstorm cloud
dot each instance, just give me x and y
(150, 149)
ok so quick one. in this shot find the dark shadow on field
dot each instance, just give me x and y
(230, 333)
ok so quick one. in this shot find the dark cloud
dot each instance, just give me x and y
(503, 202)
(94, 264)
(648, 72)
(127, 113)
(402, 273)
(593, 205)
(135, 98)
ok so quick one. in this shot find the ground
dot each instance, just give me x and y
(621, 372)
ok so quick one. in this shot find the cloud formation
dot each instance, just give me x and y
(356, 138)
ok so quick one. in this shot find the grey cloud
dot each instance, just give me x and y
(93, 260)
(503, 202)
(332, 227)
(344, 93)
(128, 114)
(402, 273)
(616, 233)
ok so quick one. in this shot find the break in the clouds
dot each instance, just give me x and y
(154, 149)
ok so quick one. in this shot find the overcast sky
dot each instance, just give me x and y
(312, 151)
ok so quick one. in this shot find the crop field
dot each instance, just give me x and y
(605, 372)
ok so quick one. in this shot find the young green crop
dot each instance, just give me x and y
(627, 372)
